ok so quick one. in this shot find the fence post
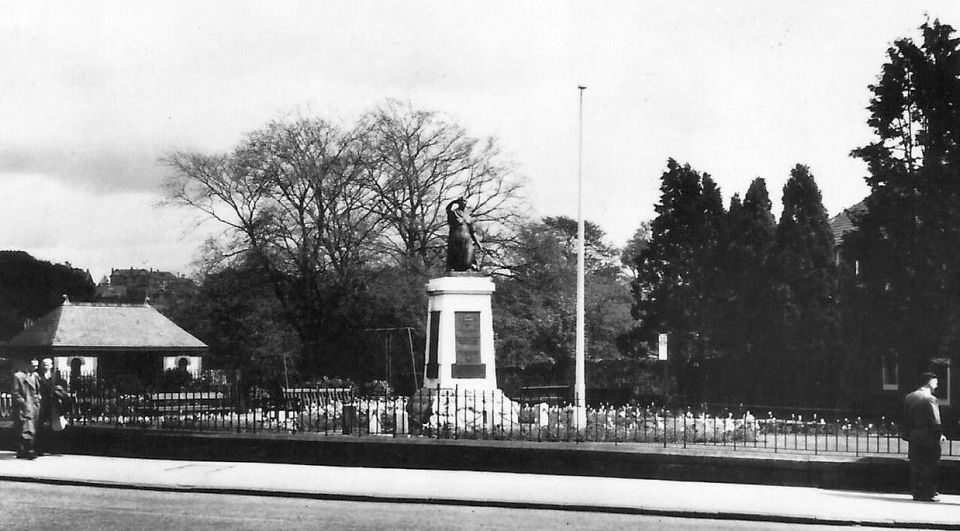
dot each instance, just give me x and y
(685, 427)
(596, 427)
(483, 410)
(447, 406)
(776, 438)
(456, 411)
(663, 414)
(883, 420)
(616, 417)
(644, 425)
(816, 435)
(743, 422)
(856, 437)
(846, 436)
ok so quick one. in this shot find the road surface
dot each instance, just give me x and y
(42, 506)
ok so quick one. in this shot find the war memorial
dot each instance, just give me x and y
(384, 313)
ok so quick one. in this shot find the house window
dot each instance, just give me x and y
(941, 367)
(890, 372)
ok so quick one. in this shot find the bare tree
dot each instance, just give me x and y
(419, 162)
(323, 211)
(294, 198)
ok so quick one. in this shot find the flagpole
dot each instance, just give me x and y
(580, 387)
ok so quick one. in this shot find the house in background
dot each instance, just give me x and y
(841, 224)
(893, 374)
(109, 340)
(137, 285)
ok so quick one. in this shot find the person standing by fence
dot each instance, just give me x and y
(52, 399)
(26, 399)
(921, 428)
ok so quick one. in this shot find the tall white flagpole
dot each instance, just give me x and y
(580, 387)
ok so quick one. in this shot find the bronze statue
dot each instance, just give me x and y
(461, 255)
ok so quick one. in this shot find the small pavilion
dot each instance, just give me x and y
(109, 340)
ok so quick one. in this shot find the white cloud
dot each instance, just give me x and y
(58, 222)
(94, 94)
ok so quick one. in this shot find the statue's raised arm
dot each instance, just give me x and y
(461, 255)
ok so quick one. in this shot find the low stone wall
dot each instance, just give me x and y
(889, 474)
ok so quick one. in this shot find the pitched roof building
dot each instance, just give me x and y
(109, 339)
(842, 223)
(136, 285)
(889, 367)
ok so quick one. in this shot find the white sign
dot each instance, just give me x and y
(662, 350)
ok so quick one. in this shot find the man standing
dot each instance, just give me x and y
(51, 395)
(921, 418)
(26, 397)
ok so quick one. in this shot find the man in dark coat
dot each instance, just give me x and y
(26, 398)
(52, 395)
(921, 419)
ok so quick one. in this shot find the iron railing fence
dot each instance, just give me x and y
(482, 414)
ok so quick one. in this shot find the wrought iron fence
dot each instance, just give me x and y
(481, 414)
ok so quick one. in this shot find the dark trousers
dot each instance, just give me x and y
(25, 435)
(924, 466)
(43, 439)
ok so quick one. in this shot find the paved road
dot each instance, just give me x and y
(40, 506)
(484, 490)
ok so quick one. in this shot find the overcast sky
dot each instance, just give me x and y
(91, 94)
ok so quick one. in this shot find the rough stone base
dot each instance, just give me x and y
(461, 411)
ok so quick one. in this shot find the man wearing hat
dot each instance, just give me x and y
(26, 397)
(921, 427)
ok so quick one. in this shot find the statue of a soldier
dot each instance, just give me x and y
(461, 255)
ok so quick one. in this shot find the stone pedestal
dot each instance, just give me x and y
(460, 352)
(451, 412)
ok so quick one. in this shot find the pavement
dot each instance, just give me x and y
(763, 503)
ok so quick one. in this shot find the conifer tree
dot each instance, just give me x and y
(906, 245)
(801, 354)
(743, 317)
(674, 291)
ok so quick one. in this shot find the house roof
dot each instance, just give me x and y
(106, 326)
(842, 223)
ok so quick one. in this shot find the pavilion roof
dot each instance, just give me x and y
(107, 326)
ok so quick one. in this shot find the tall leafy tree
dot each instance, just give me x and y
(634, 248)
(675, 289)
(235, 312)
(802, 357)
(742, 319)
(906, 242)
(29, 288)
(534, 305)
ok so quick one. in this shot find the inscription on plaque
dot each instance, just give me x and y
(467, 333)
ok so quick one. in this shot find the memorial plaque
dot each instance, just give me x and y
(467, 333)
